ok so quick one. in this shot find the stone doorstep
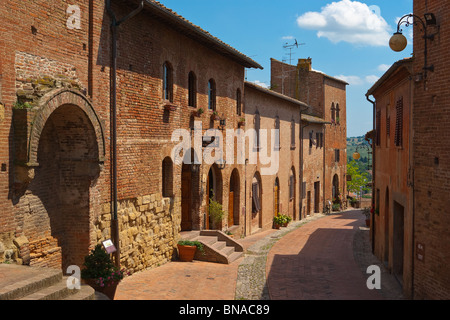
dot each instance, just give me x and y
(220, 247)
(49, 284)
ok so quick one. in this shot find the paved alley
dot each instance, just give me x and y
(323, 258)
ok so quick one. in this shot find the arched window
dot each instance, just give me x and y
(167, 177)
(337, 113)
(292, 133)
(257, 128)
(211, 95)
(277, 133)
(192, 100)
(238, 102)
(333, 113)
(167, 82)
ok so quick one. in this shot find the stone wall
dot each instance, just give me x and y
(148, 230)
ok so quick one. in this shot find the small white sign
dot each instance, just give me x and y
(109, 246)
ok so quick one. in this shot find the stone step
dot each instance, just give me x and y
(234, 256)
(28, 281)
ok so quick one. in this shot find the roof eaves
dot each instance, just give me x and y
(200, 34)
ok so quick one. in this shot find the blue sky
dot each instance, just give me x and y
(345, 39)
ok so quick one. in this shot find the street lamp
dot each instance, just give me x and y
(398, 41)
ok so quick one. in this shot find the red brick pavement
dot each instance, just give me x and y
(315, 262)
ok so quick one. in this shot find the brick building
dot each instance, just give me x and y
(392, 226)
(65, 158)
(56, 94)
(326, 96)
(417, 208)
(272, 191)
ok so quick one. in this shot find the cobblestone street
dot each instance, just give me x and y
(321, 257)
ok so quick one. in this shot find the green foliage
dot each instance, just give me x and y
(358, 179)
(98, 266)
(23, 105)
(281, 219)
(197, 244)
(215, 210)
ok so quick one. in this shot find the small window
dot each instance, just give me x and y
(311, 140)
(238, 102)
(399, 123)
(317, 140)
(192, 90)
(292, 134)
(167, 177)
(338, 110)
(291, 186)
(277, 133)
(378, 128)
(333, 113)
(257, 129)
(337, 155)
(168, 82)
(211, 95)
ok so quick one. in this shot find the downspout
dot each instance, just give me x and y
(301, 163)
(113, 121)
(373, 171)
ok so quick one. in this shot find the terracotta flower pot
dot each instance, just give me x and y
(186, 253)
(107, 290)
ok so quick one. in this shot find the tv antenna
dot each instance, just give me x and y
(290, 47)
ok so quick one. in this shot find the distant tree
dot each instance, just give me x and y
(358, 177)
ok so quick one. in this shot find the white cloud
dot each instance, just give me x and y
(383, 67)
(372, 79)
(348, 21)
(357, 80)
(261, 84)
(288, 38)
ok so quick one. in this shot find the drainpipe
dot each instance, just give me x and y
(300, 211)
(373, 171)
(113, 130)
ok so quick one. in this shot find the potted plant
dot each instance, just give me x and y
(100, 273)
(287, 220)
(188, 248)
(241, 122)
(278, 221)
(216, 212)
(367, 212)
(215, 115)
(199, 112)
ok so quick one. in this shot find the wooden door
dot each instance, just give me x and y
(308, 203)
(276, 208)
(231, 209)
(316, 196)
(186, 218)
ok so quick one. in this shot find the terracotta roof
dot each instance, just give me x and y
(313, 119)
(275, 94)
(388, 73)
(186, 27)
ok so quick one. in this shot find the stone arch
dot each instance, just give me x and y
(48, 104)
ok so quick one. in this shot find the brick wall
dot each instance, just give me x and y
(431, 123)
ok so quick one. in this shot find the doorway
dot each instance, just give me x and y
(186, 198)
(386, 227)
(276, 197)
(398, 239)
(234, 199)
(317, 196)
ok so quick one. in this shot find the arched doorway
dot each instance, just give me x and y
(234, 199)
(213, 193)
(276, 197)
(335, 191)
(256, 202)
(292, 194)
(190, 197)
(61, 194)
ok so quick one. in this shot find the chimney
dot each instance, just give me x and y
(305, 64)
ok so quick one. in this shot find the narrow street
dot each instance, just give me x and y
(323, 259)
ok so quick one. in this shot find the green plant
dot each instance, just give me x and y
(23, 105)
(242, 120)
(281, 219)
(336, 206)
(200, 111)
(197, 244)
(215, 210)
(99, 267)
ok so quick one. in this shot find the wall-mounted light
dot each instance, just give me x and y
(223, 123)
(398, 41)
